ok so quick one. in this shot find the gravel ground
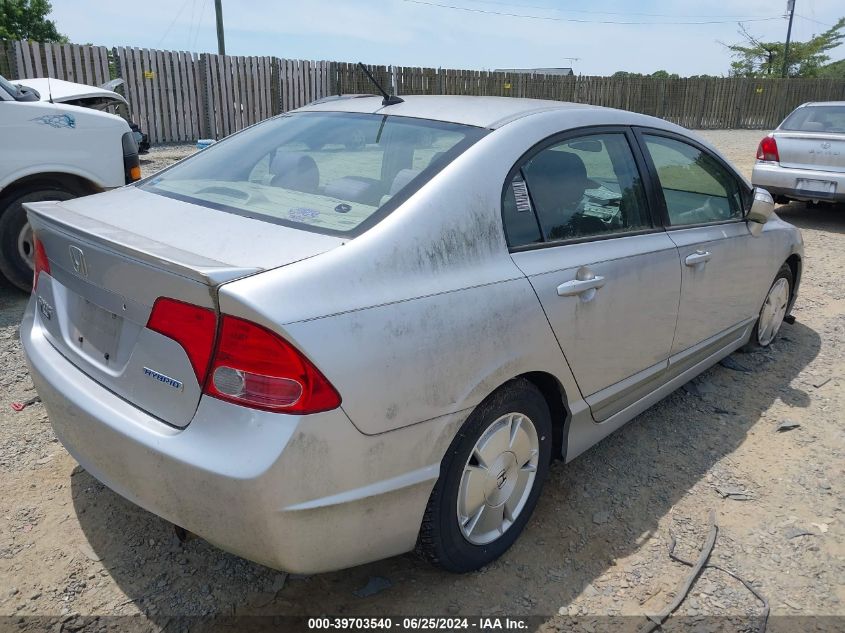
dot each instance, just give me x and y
(164, 156)
(597, 545)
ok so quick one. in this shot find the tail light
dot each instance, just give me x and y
(255, 367)
(190, 326)
(768, 150)
(40, 258)
(249, 366)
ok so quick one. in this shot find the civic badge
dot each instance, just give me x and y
(77, 258)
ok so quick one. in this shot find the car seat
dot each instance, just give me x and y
(296, 171)
(557, 181)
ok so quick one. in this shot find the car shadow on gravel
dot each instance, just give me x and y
(601, 507)
(825, 217)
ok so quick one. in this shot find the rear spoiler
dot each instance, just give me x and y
(131, 246)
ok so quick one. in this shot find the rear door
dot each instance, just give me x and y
(578, 221)
(703, 202)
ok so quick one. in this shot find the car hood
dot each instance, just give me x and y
(61, 91)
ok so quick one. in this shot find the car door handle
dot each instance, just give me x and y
(698, 257)
(578, 286)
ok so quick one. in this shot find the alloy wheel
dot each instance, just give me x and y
(26, 246)
(498, 478)
(773, 312)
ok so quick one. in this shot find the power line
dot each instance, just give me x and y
(577, 20)
(175, 17)
(652, 15)
(191, 23)
(804, 17)
(199, 25)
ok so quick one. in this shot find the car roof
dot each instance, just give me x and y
(488, 112)
(823, 103)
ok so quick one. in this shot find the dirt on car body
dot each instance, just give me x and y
(597, 545)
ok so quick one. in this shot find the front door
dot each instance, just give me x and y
(704, 212)
(578, 224)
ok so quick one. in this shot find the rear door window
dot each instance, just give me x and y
(588, 186)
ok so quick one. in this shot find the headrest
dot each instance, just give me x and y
(402, 178)
(557, 178)
(437, 157)
(295, 170)
(354, 189)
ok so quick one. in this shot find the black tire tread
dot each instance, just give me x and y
(428, 545)
(10, 266)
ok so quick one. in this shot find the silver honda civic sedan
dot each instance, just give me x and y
(804, 158)
(358, 329)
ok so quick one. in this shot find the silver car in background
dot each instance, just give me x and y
(804, 158)
(360, 329)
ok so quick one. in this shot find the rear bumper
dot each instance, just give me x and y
(304, 494)
(783, 181)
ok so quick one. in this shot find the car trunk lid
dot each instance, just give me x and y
(111, 256)
(811, 150)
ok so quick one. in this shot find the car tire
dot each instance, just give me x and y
(15, 235)
(489, 482)
(773, 311)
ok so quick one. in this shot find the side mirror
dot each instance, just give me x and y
(761, 210)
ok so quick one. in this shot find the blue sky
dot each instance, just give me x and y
(419, 33)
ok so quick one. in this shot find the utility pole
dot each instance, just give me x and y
(221, 44)
(790, 7)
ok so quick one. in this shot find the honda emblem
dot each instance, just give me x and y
(77, 258)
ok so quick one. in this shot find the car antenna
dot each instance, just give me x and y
(388, 99)
(49, 90)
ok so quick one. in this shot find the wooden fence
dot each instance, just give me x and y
(71, 62)
(161, 88)
(177, 96)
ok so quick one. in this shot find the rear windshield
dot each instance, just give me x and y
(335, 173)
(816, 119)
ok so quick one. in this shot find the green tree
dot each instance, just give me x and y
(657, 74)
(756, 58)
(27, 20)
(664, 74)
(835, 69)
